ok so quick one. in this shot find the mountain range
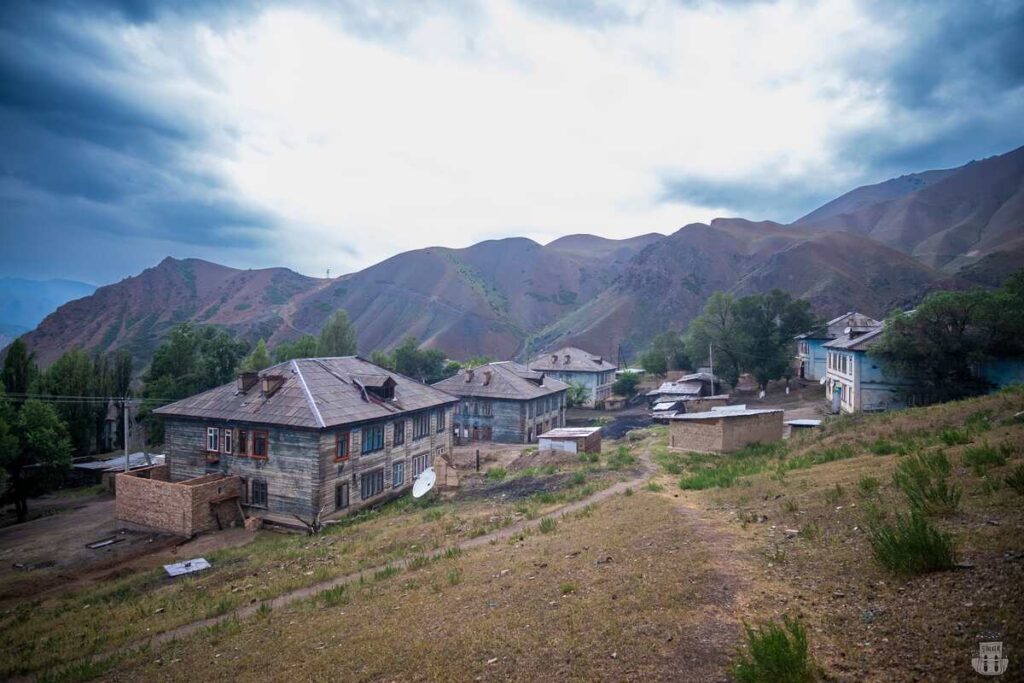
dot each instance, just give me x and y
(876, 248)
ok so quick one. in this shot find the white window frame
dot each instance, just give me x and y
(395, 468)
(213, 439)
(227, 438)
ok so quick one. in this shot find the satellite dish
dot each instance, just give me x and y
(424, 482)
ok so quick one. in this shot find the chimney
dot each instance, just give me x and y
(469, 375)
(487, 377)
(271, 383)
(247, 380)
(598, 359)
(554, 358)
(566, 359)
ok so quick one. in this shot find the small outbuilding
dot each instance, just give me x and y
(724, 430)
(572, 440)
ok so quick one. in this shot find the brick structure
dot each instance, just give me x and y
(149, 498)
(724, 430)
(572, 439)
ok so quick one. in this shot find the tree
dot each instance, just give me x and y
(670, 345)
(654, 363)
(718, 327)
(939, 347)
(767, 324)
(72, 376)
(35, 459)
(258, 360)
(408, 358)
(111, 377)
(626, 383)
(338, 337)
(303, 347)
(575, 395)
(20, 369)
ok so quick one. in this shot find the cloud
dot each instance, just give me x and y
(313, 136)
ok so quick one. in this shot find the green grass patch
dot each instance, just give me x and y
(775, 653)
(333, 597)
(567, 588)
(621, 459)
(952, 436)
(385, 573)
(883, 447)
(1016, 479)
(454, 576)
(834, 494)
(654, 487)
(924, 479)
(868, 486)
(496, 474)
(911, 545)
(980, 458)
(547, 525)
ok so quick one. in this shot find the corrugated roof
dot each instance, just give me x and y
(570, 359)
(507, 380)
(316, 393)
(676, 389)
(569, 432)
(834, 328)
(861, 341)
(725, 414)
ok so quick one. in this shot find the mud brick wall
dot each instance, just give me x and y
(744, 430)
(699, 436)
(206, 499)
(154, 503)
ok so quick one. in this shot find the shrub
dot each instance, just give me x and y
(496, 473)
(980, 458)
(577, 479)
(567, 588)
(923, 479)
(980, 421)
(775, 654)
(868, 486)
(954, 437)
(264, 610)
(547, 525)
(912, 545)
(621, 458)
(385, 573)
(335, 596)
(589, 457)
(1016, 480)
(628, 492)
(882, 447)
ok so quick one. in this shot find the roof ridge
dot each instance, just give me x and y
(309, 396)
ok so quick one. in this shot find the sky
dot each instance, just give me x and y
(332, 135)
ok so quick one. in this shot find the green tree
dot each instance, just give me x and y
(654, 363)
(112, 378)
(575, 395)
(258, 360)
(626, 384)
(670, 345)
(72, 377)
(35, 459)
(409, 359)
(20, 370)
(718, 327)
(303, 347)
(338, 337)
(767, 324)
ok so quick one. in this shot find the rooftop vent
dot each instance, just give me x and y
(247, 380)
(469, 375)
(566, 359)
(271, 383)
(487, 377)
(554, 358)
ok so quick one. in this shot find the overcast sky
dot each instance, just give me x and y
(316, 136)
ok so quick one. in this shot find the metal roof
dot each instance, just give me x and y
(502, 380)
(725, 414)
(569, 432)
(570, 359)
(804, 423)
(117, 464)
(857, 343)
(316, 393)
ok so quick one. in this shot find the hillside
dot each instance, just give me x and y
(668, 283)
(955, 218)
(24, 303)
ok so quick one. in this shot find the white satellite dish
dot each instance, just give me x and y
(424, 482)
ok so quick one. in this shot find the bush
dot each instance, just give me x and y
(496, 473)
(923, 479)
(335, 596)
(882, 447)
(547, 525)
(954, 437)
(980, 458)
(1016, 480)
(621, 458)
(912, 545)
(577, 479)
(775, 654)
(868, 486)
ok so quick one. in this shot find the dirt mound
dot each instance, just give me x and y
(542, 458)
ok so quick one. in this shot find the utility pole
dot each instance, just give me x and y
(126, 435)
(711, 362)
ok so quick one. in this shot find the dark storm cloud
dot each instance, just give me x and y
(757, 200)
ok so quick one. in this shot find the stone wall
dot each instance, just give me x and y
(146, 497)
(699, 436)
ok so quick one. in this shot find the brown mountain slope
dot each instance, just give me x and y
(666, 285)
(973, 212)
(136, 312)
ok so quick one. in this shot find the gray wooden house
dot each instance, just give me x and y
(505, 402)
(311, 435)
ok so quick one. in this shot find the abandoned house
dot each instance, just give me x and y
(306, 437)
(854, 381)
(571, 440)
(505, 402)
(576, 366)
(724, 430)
(811, 354)
(688, 387)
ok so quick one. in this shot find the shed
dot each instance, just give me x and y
(572, 440)
(724, 430)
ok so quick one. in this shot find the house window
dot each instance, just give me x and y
(260, 445)
(421, 425)
(341, 496)
(226, 440)
(440, 421)
(243, 442)
(258, 495)
(373, 438)
(371, 483)
(398, 474)
(341, 446)
(212, 438)
(399, 432)
(485, 408)
(420, 463)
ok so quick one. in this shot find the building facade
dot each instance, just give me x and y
(311, 436)
(576, 366)
(724, 430)
(854, 381)
(811, 355)
(505, 402)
